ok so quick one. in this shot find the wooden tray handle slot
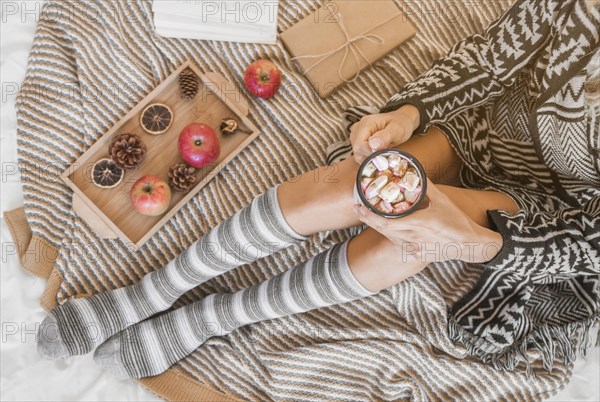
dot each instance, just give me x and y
(92, 219)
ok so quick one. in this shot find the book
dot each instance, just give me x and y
(223, 20)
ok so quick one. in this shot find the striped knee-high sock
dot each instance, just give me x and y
(78, 326)
(152, 346)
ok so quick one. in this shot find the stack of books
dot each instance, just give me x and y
(252, 21)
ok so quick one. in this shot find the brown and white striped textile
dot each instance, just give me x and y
(92, 61)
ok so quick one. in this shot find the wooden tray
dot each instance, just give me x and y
(109, 212)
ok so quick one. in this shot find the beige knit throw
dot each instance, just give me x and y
(90, 64)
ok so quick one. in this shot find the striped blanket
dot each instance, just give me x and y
(92, 61)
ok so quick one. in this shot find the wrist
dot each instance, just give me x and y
(480, 244)
(409, 114)
(491, 242)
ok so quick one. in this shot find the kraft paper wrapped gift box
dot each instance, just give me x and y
(335, 43)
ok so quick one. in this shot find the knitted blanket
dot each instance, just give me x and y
(92, 61)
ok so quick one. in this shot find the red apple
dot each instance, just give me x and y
(150, 196)
(199, 145)
(262, 78)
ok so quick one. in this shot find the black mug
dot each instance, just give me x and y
(364, 173)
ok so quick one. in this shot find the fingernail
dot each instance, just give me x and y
(375, 142)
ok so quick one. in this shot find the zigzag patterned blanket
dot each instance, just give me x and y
(512, 103)
(92, 61)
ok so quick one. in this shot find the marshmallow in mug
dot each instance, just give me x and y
(391, 183)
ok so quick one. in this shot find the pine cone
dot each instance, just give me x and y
(182, 177)
(127, 151)
(188, 84)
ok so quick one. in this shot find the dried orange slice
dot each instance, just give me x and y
(106, 173)
(156, 118)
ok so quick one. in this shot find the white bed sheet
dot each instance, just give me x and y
(25, 376)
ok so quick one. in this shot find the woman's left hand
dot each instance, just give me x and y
(439, 232)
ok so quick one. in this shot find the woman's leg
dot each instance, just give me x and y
(316, 201)
(323, 198)
(475, 203)
(365, 265)
(335, 276)
(77, 327)
(377, 264)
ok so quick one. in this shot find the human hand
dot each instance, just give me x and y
(441, 231)
(384, 130)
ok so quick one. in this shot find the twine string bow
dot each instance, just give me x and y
(349, 46)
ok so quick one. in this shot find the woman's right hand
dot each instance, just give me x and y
(384, 130)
